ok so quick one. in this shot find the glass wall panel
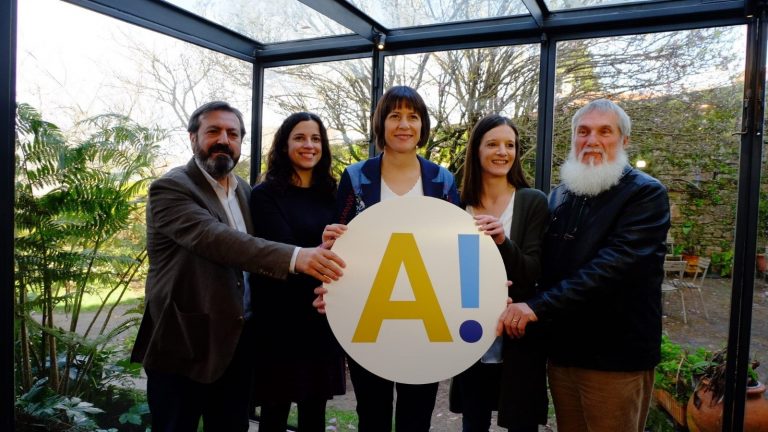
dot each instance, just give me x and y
(408, 13)
(339, 92)
(683, 92)
(460, 87)
(85, 64)
(103, 109)
(266, 22)
(758, 344)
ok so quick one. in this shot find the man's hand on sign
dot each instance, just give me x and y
(491, 226)
(319, 263)
(331, 233)
(514, 319)
(319, 302)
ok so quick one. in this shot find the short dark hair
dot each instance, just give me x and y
(280, 170)
(194, 119)
(472, 183)
(394, 98)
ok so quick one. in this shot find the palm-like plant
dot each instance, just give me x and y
(75, 203)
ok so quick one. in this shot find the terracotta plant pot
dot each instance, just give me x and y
(761, 263)
(705, 416)
(693, 262)
(668, 402)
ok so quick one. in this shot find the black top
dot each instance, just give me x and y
(297, 355)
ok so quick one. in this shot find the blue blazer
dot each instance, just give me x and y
(360, 186)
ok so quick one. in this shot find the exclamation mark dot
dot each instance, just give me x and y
(469, 275)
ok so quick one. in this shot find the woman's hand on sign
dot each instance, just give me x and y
(319, 302)
(514, 319)
(491, 226)
(331, 233)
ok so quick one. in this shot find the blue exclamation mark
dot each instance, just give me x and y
(469, 274)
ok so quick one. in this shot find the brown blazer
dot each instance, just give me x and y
(194, 289)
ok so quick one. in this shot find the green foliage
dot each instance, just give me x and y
(657, 421)
(723, 262)
(678, 368)
(76, 206)
(134, 414)
(54, 412)
(681, 370)
(342, 420)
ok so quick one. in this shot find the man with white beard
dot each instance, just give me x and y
(599, 300)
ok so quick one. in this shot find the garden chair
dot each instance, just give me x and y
(698, 280)
(673, 278)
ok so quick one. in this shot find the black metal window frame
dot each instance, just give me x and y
(541, 26)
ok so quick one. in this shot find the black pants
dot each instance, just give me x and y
(374, 394)
(274, 416)
(177, 403)
(477, 391)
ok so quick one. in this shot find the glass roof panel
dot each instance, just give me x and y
(411, 13)
(266, 21)
(576, 4)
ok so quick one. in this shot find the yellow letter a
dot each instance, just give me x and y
(402, 249)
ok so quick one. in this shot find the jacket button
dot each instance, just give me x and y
(240, 319)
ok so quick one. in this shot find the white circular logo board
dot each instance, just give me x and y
(422, 291)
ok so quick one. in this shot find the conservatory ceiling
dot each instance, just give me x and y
(280, 30)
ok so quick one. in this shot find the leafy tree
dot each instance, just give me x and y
(75, 203)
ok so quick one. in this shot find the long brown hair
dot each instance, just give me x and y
(280, 170)
(472, 184)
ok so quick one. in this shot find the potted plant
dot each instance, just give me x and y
(690, 244)
(674, 378)
(722, 263)
(704, 411)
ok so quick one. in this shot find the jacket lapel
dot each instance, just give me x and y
(243, 200)
(371, 189)
(206, 191)
(428, 174)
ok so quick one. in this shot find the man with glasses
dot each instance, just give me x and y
(599, 300)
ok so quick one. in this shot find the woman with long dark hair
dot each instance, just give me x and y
(297, 357)
(510, 377)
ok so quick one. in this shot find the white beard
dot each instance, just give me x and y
(590, 180)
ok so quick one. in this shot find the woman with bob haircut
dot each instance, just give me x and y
(298, 359)
(511, 376)
(400, 127)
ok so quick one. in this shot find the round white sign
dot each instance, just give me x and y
(422, 291)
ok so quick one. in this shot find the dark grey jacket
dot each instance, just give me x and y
(194, 289)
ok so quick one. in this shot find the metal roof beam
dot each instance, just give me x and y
(331, 46)
(347, 15)
(171, 20)
(538, 10)
(642, 15)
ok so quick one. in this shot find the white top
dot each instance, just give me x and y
(387, 193)
(506, 216)
(493, 355)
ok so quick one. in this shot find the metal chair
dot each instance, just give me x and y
(698, 280)
(675, 269)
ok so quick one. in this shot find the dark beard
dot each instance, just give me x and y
(217, 166)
